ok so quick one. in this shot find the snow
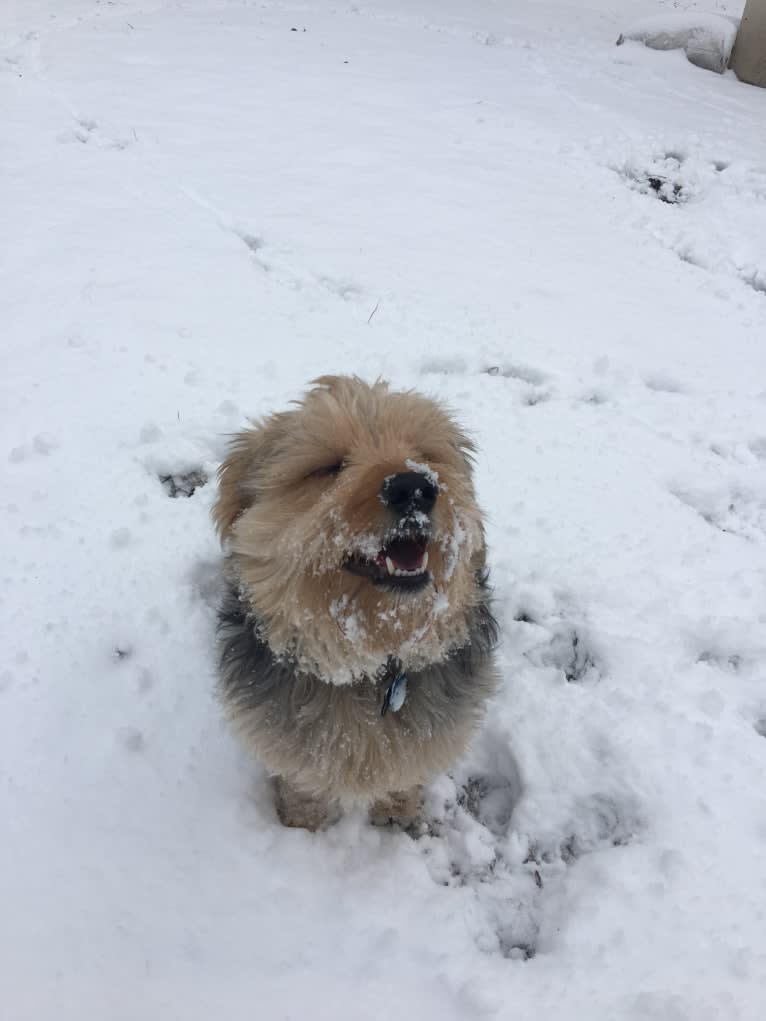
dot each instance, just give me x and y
(707, 39)
(424, 469)
(563, 240)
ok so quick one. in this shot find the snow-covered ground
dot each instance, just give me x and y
(205, 204)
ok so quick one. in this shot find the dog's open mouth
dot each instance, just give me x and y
(402, 563)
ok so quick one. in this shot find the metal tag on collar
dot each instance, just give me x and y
(395, 694)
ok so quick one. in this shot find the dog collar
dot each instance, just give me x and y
(395, 694)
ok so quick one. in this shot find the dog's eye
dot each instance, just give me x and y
(327, 471)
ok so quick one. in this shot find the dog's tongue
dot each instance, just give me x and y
(406, 554)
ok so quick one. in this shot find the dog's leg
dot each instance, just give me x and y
(300, 810)
(402, 807)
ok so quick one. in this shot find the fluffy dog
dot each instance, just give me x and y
(356, 637)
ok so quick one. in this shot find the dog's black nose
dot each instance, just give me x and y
(409, 491)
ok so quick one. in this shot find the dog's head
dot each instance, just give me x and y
(354, 528)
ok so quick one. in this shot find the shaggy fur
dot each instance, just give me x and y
(309, 646)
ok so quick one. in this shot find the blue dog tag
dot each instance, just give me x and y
(395, 695)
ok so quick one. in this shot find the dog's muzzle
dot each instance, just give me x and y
(402, 561)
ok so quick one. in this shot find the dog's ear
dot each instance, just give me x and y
(236, 476)
(466, 448)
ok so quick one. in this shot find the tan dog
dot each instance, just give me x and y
(356, 638)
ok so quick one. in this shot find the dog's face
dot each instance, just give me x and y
(354, 528)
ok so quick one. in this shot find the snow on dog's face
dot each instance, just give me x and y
(353, 526)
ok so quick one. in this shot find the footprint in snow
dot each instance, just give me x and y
(444, 367)
(468, 841)
(183, 483)
(518, 371)
(462, 839)
(343, 288)
(85, 131)
(736, 511)
(255, 245)
(750, 453)
(662, 177)
(208, 583)
(533, 380)
(664, 384)
(675, 178)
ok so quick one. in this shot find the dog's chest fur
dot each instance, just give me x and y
(325, 737)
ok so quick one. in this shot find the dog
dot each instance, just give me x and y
(356, 636)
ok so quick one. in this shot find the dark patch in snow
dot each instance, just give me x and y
(131, 739)
(600, 822)
(760, 726)
(663, 178)
(689, 257)
(491, 799)
(665, 190)
(208, 582)
(756, 280)
(722, 660)
(122, 652)
(581, 665)
(515, 951)
(255, 244)
(183, 484)
(568, 652)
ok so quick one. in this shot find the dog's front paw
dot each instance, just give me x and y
(300, 810)
(401, 807)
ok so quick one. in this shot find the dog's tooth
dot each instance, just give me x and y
(390, 565)
(424, 565)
